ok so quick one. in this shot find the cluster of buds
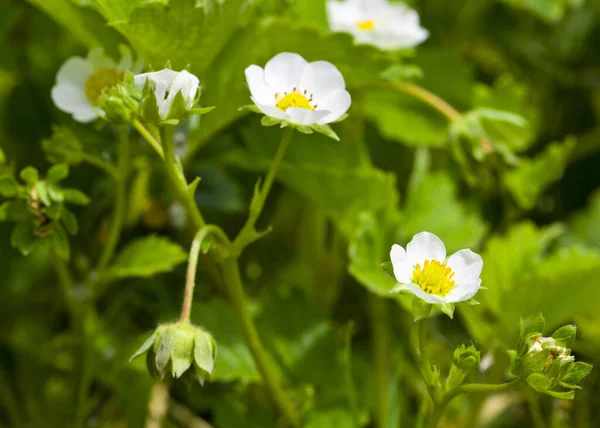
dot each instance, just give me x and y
(464, 360)
(546, 363)
(174, 348)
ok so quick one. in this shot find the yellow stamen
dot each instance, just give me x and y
(365, 25)
(293, 99)
(103, 79)
(434, 278)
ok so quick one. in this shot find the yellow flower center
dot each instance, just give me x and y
(367, 25)
(294, 99)
(434, 278)
(103, 79)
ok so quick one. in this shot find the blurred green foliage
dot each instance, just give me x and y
(510, 170)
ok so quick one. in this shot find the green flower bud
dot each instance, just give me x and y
(465, 359)
(173, 349)
(120, 103)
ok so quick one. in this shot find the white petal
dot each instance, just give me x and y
(282, 72)
(416, 290)
(462, 292)
(403, 269)
(425, 246)
(270, 110)
(186, 83)
(255, 77)
(75, 71)
(337, 102)
(87, 114)
(303, 116)
(321, 78)
(68, 97)
(466, 266)
(165, 76)
(342, 16)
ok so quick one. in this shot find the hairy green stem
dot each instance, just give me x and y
(190, 282)
(534, 408)
(120, 206)
(265, 365)
(378, 311)
(481, 388)
(232, 279)
(428, 98)
(422, 357)
(154, 143)
(248, 233)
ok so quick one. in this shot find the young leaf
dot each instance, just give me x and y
(147, 257)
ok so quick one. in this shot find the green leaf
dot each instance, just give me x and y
(22, 237)
(532, 176)
(9, 187)
(14, 211)
(539, 382)
(57, 173)
(235, 361)
(41, 188)
(29, 175)
(365, 251)
(459, 227)
(63, 146)
(60, 242)
(75, 197)
(146, 257)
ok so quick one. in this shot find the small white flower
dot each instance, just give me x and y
(166, 85)
(81, 81)
(292, 89)
(377, 22)
(424, 270)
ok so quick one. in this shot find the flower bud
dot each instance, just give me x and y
(167, 94)
(174, 348)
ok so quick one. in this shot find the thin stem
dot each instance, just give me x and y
(378, 311)
(233, 280)
(248, 232)
(428, 98)
(193, 264)
(120, 206)
(100, 163)
(178, 181)
(422, 357)
(148, 137)
(481, 388)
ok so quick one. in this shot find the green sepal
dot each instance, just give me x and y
(577, 372)
(145, 346)
(388, 269)
(420, 309)
(164, 349)
(42, 192)
(325, 130)
(169, 122)
(14, 211)
(567, 395)
(202, 110)
(539, 382)
(270, 121)
(304, 129)
(565, 335)
(251, 108)
(447, 308)
(178, 108)
(205, 351)
(539, 323)
(149, 105)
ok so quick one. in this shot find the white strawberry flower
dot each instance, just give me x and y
(166, 84)
(293, 90)
(424, 270)
(81, 81)
(377, 22)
